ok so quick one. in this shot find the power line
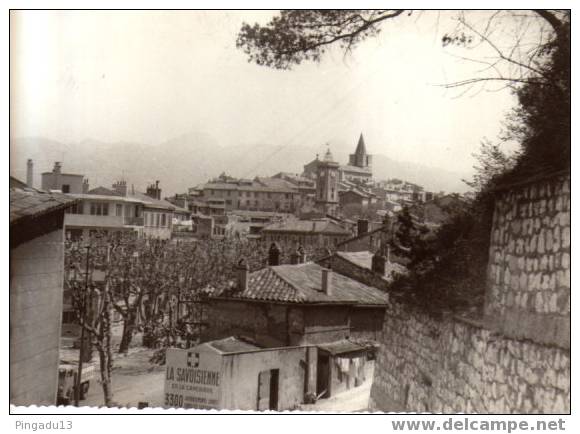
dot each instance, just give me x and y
(311, 125)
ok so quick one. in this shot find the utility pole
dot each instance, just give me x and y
(82, 320)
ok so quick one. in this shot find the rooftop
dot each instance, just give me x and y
(276, 183)
(364, 259)
(273, 185)
(362, 170)
(151, 202)
(265, 214)
(232, 344)
(341, 347)
(302, 284)
(355, 191)
(294, 177)
(103, 191)
(30, 203)
(104, 197)
(63, 174)
(322, 226)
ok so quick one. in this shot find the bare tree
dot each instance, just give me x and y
(89, 286)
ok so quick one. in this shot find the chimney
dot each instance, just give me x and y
(242, 270)
(154, 191)
(378, 263)
(362, 226)
(120, 187)
(327, 281)
(85, 186)
(56, 178)
(274, 255)
(302, 255)
(29, 173)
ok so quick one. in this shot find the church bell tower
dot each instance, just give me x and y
(327, 185)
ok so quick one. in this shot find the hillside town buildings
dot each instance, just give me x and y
(311, 232)
(300, 330)
(358, 169)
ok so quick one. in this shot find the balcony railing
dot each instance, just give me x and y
(134, 221)
(101, 221)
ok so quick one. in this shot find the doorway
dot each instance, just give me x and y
(323, 375)
(268, 390)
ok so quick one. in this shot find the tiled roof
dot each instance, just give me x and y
(357, 192)
(302, 284)
(103, 191)
(276, 183)
(308, 226)
(272, 186)
(29, 203)
(294, 177)
(364, 259)
(17, 183)
(264, 214)
(151, 202)
(348, 168)
(232, 344)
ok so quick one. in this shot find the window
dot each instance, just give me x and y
(99, 208)
(156, 219)
(76, 208)
(163, 220)
(119, 210)
(228, 202)
(66, 188)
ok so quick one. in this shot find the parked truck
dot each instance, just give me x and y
(67, 375)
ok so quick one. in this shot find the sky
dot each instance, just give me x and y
(150, 76)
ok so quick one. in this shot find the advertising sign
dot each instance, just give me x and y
(192, 379)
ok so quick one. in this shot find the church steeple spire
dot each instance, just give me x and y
(361, 149)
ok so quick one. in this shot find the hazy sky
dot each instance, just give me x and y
(151, 76)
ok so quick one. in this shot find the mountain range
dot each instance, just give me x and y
(193, 158)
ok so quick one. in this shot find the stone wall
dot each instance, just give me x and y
(36, 284)
(529, 267)
(453, 365)
(516, 359)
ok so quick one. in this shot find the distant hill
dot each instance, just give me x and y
(193, 158)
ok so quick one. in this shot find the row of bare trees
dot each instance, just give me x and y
(154, 287)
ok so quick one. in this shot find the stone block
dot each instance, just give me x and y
(549, 240)
(561, 406)
(565, 186)
(566, 237)
(541, 243)
(564, 218)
